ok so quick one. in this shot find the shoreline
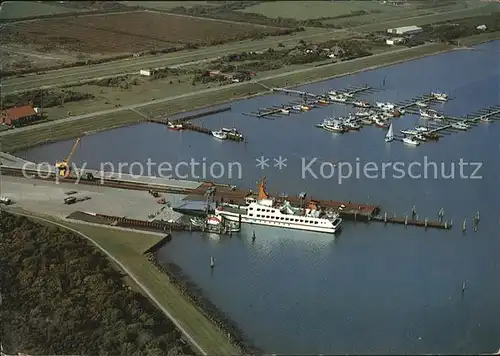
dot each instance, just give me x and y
(290, 79)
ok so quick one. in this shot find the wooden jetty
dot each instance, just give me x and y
(296, 92)
(166, 121)
(412, 222)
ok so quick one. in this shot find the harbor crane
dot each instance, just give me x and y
(63, 168)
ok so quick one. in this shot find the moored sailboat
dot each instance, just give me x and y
(389, 136)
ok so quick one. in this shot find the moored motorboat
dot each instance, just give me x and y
(176, 127)
(411, 141)
(361, 104)
(419, 137)
(333, 126)
(485, 120)
(219, 134)
(285, 111)
(430, 114)
(232, 133)
(409, 132)
(440, 96)
(421, 104)
(422, 129)
(363, 113)
(338, 98)
(380, 123)
(351, 125)
(460, 126)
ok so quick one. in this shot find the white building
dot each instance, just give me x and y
(145, 72)
(406, 30)
(481, 27)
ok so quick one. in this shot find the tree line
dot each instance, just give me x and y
(60, 295)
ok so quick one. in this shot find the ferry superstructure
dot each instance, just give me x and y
(267, 211)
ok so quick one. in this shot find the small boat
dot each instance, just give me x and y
(297, 107)
(379, 123)
(333, 126)
(176, 127)
(332, 93)
(430, 114)
(485, 120)
(431, 135)
(422, 129)
(440, 96)
(460, 126)
(396, 113)
(366, 121)
(363, 113)
(361, 104)
(305, 107)
(348, 95)
(221, 135)
(409, 132)
(214, 220)
(323, 102)
(421, 104)
(389, 136)
(285, 111)
(419, 137)
(410, 141)
(232, 133)
(338, 98)
(351, 125)
(197, 221)
(385, 106)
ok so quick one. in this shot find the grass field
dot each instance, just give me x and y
(305, 10)
(22, 9)
(480, 38)
(124, 32)
(62, 131)
(430, 19)
(164, 5)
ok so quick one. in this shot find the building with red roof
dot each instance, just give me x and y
(19, 116)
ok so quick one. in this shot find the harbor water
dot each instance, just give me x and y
(375, 288)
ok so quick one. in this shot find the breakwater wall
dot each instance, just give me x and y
(159, 244)
(195, 296)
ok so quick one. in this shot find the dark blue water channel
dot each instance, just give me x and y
(375, 288)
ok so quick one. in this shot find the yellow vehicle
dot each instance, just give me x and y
(63, 168)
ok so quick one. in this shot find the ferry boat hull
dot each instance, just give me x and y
(234, 217)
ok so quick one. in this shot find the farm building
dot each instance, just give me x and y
(19, 116)
(481, 27)
(406, 30)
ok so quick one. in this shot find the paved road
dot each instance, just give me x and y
(134, 278)
(194, 93)
(133, 65)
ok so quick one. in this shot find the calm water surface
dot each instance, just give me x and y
(375, 288)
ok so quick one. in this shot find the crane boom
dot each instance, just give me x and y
(72, 150)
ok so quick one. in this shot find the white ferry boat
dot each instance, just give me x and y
(267, 211)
